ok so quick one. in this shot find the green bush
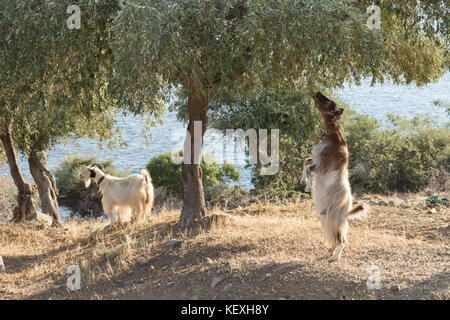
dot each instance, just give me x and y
(405, 156)
(165, 172)
(433, 200)
(229, 197)
(68, 171)
(292, 154)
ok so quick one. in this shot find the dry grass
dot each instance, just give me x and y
(265, 251)
(7, 190)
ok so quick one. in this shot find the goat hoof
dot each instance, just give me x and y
(325, 256)
(333, 259)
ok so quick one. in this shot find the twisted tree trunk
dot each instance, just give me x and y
(46, 184)
(25, 209)
(194, 205)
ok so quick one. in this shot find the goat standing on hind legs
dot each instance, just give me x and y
(131, 194)
(331, 191)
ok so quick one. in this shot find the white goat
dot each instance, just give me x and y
(133, 194)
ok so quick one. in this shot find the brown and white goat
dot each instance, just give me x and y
(331, 191)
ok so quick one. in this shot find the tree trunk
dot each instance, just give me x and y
(25, 198)
(194, 206)
(46, 184)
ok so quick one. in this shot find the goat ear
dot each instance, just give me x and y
(92, 173)
(319, 97)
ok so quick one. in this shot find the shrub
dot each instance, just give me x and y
(402, 157)
(431, 201)
(406, 155)
(229, 197)
(292, 154)
(68, 171)
(165, 172)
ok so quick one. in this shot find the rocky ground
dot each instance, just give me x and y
(400, 250)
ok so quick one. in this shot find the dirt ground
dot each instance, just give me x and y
(400, 250)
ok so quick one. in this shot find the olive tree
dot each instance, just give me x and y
(53, 83)
(213, 50)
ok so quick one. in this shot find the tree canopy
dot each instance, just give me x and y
(224, 47)
(53, 78)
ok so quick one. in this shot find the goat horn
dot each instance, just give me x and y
(99, 165)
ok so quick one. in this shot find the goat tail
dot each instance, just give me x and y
(359, 210)
(148, 191)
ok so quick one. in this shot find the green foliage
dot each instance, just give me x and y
(213, 174)
(293, 113)
(219, 49)
(287, 179)
(165, 172)
(68, 171)
(433, 200)
(228, 197)
(54, 79)
(403, 156)
(295, 147)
